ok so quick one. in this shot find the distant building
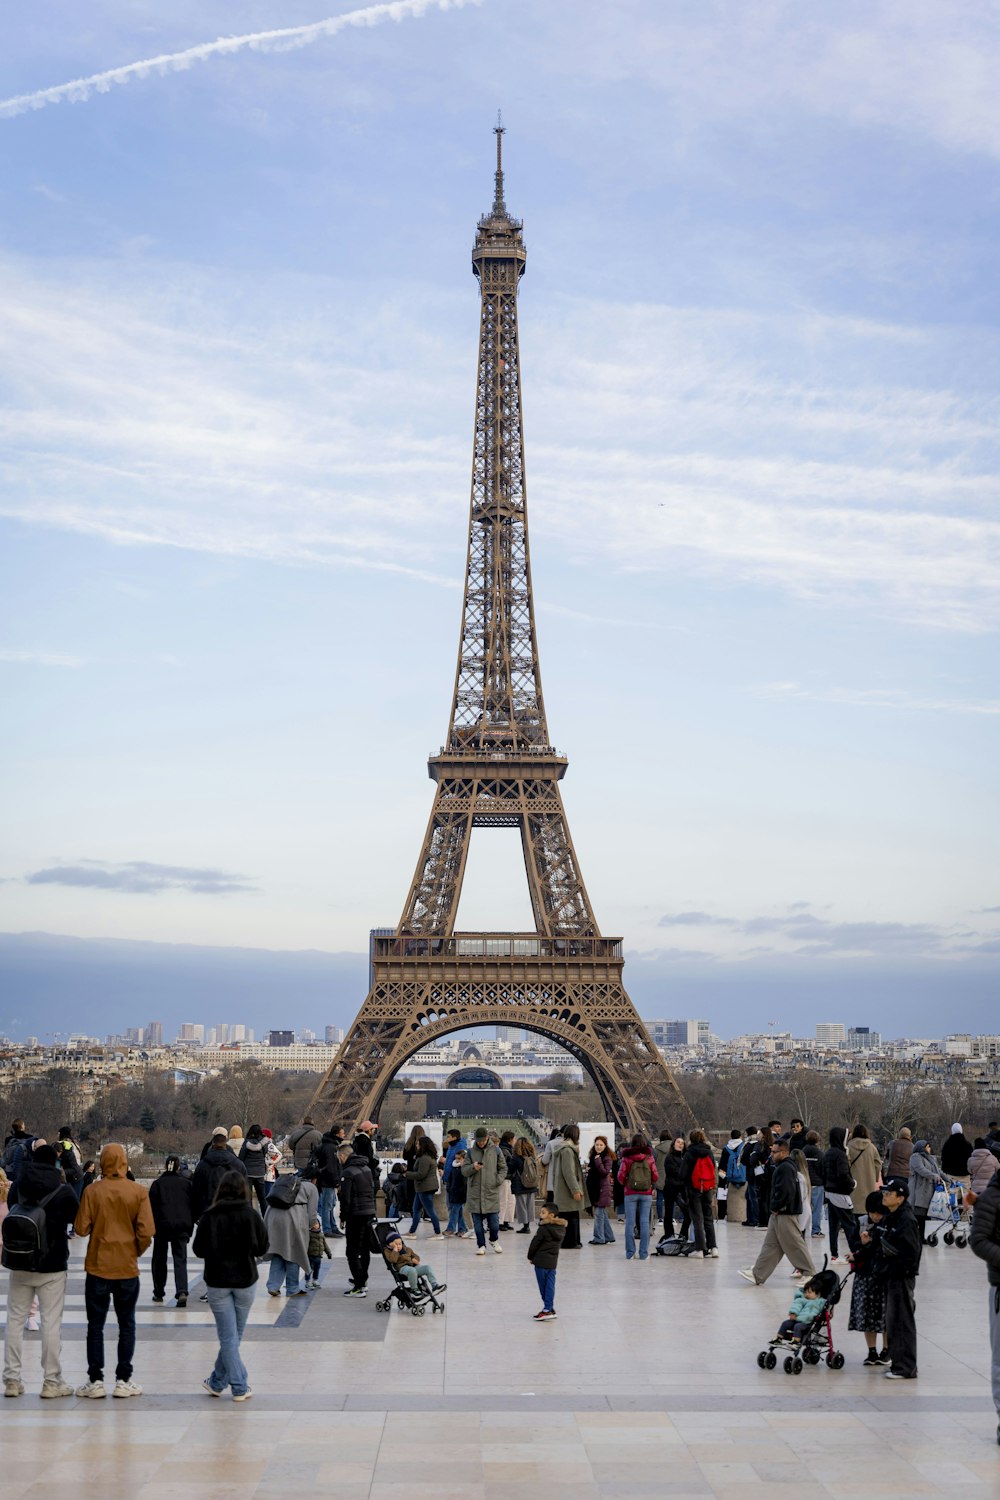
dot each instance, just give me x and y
(678, 1033)
(281, 1038)
(862, 1039)
(191, 1031)
(333, 1034)
(153, 1036)
(831, 1033)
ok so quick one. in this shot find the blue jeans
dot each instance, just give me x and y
(283, 1270)
(230, 1308)
(98, 1295)
(817, 1197)
(456, 1218)
(547, 1287)
(328, 1210)
(423, 1204)
(603, 1233)
(492, 1224)
(637, 1206)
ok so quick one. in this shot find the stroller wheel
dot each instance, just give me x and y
(789, 1365)
(797, 1367)
(811, 1356)
(772, 1359)
(949, 1238)
(762, 1359)
(415, 1311)
(837, 1361)
(960, 1241)
(933, 1241)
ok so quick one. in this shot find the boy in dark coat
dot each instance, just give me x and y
(543, 1253)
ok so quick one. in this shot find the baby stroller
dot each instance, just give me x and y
(817, 1341)
(947, 1211)
(414, 1302)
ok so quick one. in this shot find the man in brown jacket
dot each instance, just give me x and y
(115, 1213)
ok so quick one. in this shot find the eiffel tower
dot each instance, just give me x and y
(498, 769)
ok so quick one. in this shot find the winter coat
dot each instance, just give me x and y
(696, 1151)
(983, 1165)
(253, 1155)
(424, 1175)
(301, 1142)
(984, 1237)
(362, 1146)
(786, 1194)
(673, 1171)
(209, 1172)
(661, 1150)
(288, 1228)
(357, 1191)
(115, 1213)
(600, 1180)
(900, 1259)
(925, 1175)
(483, 1196)
(458, 1188)
(732, 1148)
(837, 1178)
(36, 1182)
(805, 1309)
(955, 1155)
(628, 1157)
(814, 1157)
(170, 1200)
(566, 1178)
(543, 1248)
(329, 1161)
(403, 1256)
(229, 1238)
(896, 1162)
(865, 1166)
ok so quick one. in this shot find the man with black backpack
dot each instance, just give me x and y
(304, 1145)
(36, 1252)
(16, 1150)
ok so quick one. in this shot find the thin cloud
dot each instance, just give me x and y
(884, 698)
(40, 658)
(283, 39)
(139, 877)
(799, 932)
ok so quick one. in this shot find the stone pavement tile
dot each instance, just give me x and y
(440, 1470)
(414, 1490)
(337, 1490)
(543, 1489)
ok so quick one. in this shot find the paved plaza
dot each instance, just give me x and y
(646, 1385)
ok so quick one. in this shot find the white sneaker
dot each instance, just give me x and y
(497, 1248)
(244, 1395)
(748, 1275)
(52, 1389)
(93, 1390)
(481, 1250)
(13, 1388)
(713, 1255)
(126, 1388)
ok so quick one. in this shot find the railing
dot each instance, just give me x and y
(453, 752)
(496, 945)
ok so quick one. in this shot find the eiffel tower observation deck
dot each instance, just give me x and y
(499, 769)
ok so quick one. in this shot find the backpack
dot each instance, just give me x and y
(639, 1177)
(69, 1164)
(312, 1166)
(25, 1235)
(703, 1177)
(17, 1156)
(529, 1172)
(285, 1193)
(736, 1172)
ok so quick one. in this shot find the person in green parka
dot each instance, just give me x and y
(566, 1181)
(484, 1170)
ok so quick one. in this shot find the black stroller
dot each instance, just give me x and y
(412, 1301)
(817, 1340)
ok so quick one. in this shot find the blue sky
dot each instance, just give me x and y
(759, 336)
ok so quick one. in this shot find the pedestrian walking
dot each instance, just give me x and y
(230, 1238)
(784, 1235)
(115, 1213)
(424, 1176)
(484, 1170)
(170, 1198)
(357, 1210)
(253, 1154)
(36, 1213)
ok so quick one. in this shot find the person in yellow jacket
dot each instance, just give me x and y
(115, 1212)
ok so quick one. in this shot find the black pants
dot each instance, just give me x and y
(700, 1200)
(901, 1326)
(670, 1198)
(178, 1249)
(847, 1220)
(572, 1236)
(259, 1185)
(753, 1205)
(98, 1296)
(358, 1247)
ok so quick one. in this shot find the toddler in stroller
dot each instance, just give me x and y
(416, 1284)
(807, 1332)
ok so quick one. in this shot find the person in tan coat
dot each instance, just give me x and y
(116, 1214)
(865, 1166)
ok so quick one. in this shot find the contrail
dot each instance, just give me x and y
(285, 39)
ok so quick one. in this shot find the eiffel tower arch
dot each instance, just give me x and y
(498, 769)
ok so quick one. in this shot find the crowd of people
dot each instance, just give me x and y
(237, 1209)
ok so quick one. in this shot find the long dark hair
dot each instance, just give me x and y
(233, 1188)
(426, 1147)
(414, 1138)
(173, 1164)
(639, 1143)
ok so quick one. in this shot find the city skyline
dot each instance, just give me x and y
(762, 411)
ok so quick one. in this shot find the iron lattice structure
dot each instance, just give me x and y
(498, 769)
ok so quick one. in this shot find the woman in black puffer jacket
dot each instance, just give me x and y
(838, 1185)
(230, 1238)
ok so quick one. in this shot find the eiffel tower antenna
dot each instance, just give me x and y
(498, 769)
